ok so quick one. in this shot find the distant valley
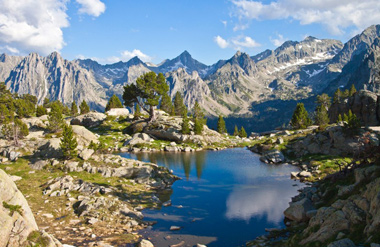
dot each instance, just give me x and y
(248, 90)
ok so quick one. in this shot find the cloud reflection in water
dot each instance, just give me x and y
(259, 201)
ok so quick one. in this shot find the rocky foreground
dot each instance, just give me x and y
(95, 199)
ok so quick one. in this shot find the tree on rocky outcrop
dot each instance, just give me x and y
(221, 125)
(114, 102)
(74, 109)
(338, 96)
(68, 142)
(84, 108)
(300, 118)
(146, 92)
(321, 112)
(40, 111)
(199, 119)
(321, 117)
(242, 132)
(351, 124)
(179, 106)
(352, 90)
(166, 104)
(185, 127)
(324, 100)
(55, 117)
(236, 131)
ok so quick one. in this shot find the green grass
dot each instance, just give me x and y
(37, 239)
(13, 208)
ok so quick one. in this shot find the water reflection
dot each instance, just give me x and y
(260, 201)
(175, 160)
(230, 193)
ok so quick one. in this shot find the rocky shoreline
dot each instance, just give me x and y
(341, 205)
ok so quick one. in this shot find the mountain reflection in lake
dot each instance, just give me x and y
(227, 197)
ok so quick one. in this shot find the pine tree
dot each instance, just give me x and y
(68, 142)
(199, 120)
(137, 113)
(84, 108)
(114, 102)
(352, 90)
(242, 132)
(179, 106)
(300, 118)
(198, 126)
(74, 109)
(40, 111)
(340, 118)
(166, 104)
(324, 100)
(146, 92)
(55, 117)
(185, 124)
(322, 117)
(338, 95)
(221, 127)
(352, 125)
(236, 131)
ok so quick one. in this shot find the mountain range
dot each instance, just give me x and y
(258, 86)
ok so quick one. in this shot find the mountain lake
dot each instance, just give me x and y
(224, 198)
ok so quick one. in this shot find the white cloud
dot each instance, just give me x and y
(222, 43)
(335, 15)
(237, 43)
(126, 55)
(224, 23)
(91, 7)
(33, 26)
(244, 42)
(240, 27)
(278, 41)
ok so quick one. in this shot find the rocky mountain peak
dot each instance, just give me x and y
(244, 61)
(133, 61)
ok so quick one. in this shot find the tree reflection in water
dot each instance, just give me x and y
(175, 160)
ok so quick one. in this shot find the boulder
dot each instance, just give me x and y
(38, 164)
(51, 149)
(342, 243)
(305, 174)
(118, 112)
(145, 243)
(138, 138)
(36, 122)
(91, 119)
(16, 225)
(12, 155)
(84, 136)
(272, 157)
(297, 210)
(85, 154)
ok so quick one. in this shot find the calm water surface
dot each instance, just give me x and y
(228, 197)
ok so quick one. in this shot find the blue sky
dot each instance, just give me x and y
(113, 30)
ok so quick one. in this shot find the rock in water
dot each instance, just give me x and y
(175, 228)
(145, 243)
